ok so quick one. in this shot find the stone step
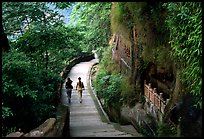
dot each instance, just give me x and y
(85, 120)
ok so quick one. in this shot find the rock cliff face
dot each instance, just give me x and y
(138, 117)
(141, 50)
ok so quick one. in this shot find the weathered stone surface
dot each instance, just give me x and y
(137, 116)
(43, 129)
(15, 134)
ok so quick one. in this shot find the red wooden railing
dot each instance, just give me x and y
(120, 52)
(152, 95)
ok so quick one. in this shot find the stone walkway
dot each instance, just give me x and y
(85, 119)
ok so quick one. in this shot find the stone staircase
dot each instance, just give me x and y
(85, 119)
(86, 122)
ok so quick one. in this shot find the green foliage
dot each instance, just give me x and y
(10, 130)
(6, 112)
(17, 83)
(164, 130)
(96, 24)
(62, 5)
(99, 52)
(106, 57)
(112, 94)
(43, 38)
(41, 46)
(108, 87)
(101, 82)
(128, 92)
(108, 81)
(17, 16)
(120, 20)
(27, 94)
(120, 12)
(57, 44)
(143, 65)
(184, 21)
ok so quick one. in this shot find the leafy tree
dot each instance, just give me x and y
(40, 46)
(184, 21)
(38, 54)
(28, 97)
(62, 5)
(45, 34)
(15, 86)
(17, 16)
(96, 24)
(108, 88)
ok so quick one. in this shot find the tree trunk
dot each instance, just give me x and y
(47, 58)
(4, 41)
(133, 56)
(45, 43)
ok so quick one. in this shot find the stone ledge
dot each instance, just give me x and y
(15, 134)
(43, 129)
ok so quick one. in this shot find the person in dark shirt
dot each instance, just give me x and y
(69, 88)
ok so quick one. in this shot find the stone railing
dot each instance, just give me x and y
(52, 127)
(152, 95)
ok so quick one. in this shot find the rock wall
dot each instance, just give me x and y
(138, 117)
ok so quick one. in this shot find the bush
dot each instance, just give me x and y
(108, 87)
(164, 130)
(28, 95)
(128, 92)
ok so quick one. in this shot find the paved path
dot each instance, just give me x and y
(85, 119)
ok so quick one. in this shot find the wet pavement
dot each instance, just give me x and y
(86, 117)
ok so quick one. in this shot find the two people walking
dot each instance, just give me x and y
(79, 88)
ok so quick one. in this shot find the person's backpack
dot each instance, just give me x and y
(81, 85)
(66, 86)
